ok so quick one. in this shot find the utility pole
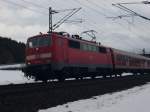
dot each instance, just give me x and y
(50, 20)
(51, 12)
(62, 20)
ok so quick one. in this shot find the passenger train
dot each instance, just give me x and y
(58, 55)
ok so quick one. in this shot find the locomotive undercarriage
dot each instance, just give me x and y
(133, 71)
(46, 72)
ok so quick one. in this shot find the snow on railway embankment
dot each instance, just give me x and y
(12, 77)
(136, 99)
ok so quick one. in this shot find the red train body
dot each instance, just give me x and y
(56, 55)
(129, 62)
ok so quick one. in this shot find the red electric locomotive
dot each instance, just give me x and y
(59, 55)
(62, 56)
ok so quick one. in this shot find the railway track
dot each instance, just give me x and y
(34, 96)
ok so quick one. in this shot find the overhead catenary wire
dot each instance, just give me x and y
(130, 11)
(133, 12)
(119, 25)
(65, 18)
(89, 18)
(101, 13)
(66, 9)
(43, 7)
(93, 23)
(25, 7)
(86, 11)
(89, 7)
(145, 2)
(100, 7)
(35, 4)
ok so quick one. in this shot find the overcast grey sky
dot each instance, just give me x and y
(20, 19)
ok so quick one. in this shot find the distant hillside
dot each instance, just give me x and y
(11, 51)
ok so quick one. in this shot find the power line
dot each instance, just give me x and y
(16, 4)
(132, 13)
(135, 33)
(40, 6)
(144, 2)
(101, 13)
(91, 21)
(34, 4)
(65, 18)
(119, 5)
(83, 9)
(93, 24)
(94, 4)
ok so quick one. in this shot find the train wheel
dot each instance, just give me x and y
(60, 76)
(61, 79)
(110, 75)
(77, 78)
(104, 75)
(93, 77)
(45, 81)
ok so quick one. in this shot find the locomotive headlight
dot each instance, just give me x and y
(46, 55)
(28, 63)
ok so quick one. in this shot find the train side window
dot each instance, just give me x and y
(95, 48)
(102, 50)
(86, 47)
(89, 47)
(74, 44)
(83, 46)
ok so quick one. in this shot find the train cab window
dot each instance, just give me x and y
(39, 42)
(44, 41)
(74, 44)
(32, 43)
(102, 50)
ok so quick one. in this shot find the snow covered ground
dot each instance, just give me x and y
(12, 66)
(136, 99)
(12, 74)
(12, 77)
